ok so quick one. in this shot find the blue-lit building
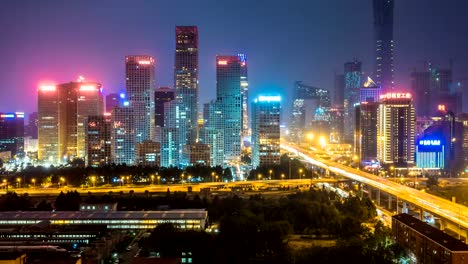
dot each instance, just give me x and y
(123, 135)
(171, 147)
(353, 83)
(12, 133)
(430, 153)
(266, 111)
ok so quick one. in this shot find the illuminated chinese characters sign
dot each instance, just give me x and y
(395, 96)
(427, 142)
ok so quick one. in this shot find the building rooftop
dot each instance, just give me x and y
(432, 233)
(64, 215)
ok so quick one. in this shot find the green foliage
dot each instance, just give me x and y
(68, 202)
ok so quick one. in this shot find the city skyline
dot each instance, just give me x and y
(50, 58)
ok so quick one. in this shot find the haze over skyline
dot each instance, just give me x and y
(284, 42)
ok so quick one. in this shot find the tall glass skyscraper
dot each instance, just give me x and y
(186, 82)
(140, 83)
(353, 82)
(229, 99)
(245, 94)
(383, 37)
(48, 124)
(123, 135)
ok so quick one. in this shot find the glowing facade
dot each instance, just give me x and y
(353, 82)
(98, 140)
(123, 135)
(186, 82)
(266, 112)
(383, 37)
(245, 94)
(48, 124)
(161, 96)
(396, 123)
(140, 83)
(229, 101)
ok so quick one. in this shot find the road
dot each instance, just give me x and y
(443, 208)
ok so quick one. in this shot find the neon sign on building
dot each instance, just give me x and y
(395, 96)
(427, 142)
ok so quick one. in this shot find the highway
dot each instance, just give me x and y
(443, 208)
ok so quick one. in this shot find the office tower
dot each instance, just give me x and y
(213, 134)
(353, 82)
(383, 34)
(140, 83)
(161, 96)
(48, 124)
(367, 132)
(396, 129)
(370, 92)
(197, 154)
(77, 101)
(266, 112)
(148, 153)
(114, 100)
(31, 128)
(336, 124)
(245, 94)
(306, 100)
(98, 140)
(123, 135)
(229, 100)
(186, 81)
(12, 133)
(435, 87)
(338, 97)
(170, 139)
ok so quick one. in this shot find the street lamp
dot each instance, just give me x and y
(93, 179)
(212, 176)
(33, 182)
(259, 176)
(62, 181)
(189, 178)
(152, 179)
(300, 173)
(216, 178)
(159, 178)
(282, 176)
(18, 180)
(270, 171)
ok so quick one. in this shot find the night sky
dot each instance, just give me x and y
(285, 41)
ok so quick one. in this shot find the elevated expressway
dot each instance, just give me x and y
(452, 216)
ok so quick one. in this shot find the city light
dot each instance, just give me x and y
(222, 62)
(395, 96)
(7, 115)
(264, 98)
(144, 62)
(429, 142)
(87, 88)
(47, 88)
(122, 95)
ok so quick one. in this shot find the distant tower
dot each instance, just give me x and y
(396, 123)
(12, 133)
(266, 131)
(161, 96)
(353, 82)
(140, 83)
(245, 94)
(383, 34)
(123, 135)
(186, 82)
(98, 140)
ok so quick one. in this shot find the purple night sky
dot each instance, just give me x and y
(284, 40)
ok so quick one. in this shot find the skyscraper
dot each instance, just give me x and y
(266, 131)
(140, 83)
(98, 140)
(48, 124)
(353, 82)
(383, 37)
(161, 96)
(396, 122)
(186, 82)
(367, 132)
(229, 100)
(123, 135)
(245, 94)
(12, 133)
(338, 98)
(31, 129)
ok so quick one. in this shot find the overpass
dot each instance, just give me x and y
(453, 216)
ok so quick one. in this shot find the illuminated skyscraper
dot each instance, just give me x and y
(31, 128)
(161, 96)
(98, 140)
(229, 100)
(396, 122)
(123, 135)
(12, 133)
(140, 83)
(245, 94)
(48, 124)
(353, 82)
(266, 112)
(77, 101)
(366, 132)
(186, 82)
(170, 140)
(383, 37)
(213, 133)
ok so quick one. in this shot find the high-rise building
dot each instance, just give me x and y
(48, 124)
(213, 134)
(367, 131)
(266, 112)
(98, 140)
(161, 96)
(186, 82)
(384, 46)
(229, 100)
(123, 135)
(353, 83)
(114, 100)
(170, 139)
(31, 128)
(148, 153)
(245, 94)
(396, 129)
(12, 133)
(140, 84)
(77, 101)
(197, 154)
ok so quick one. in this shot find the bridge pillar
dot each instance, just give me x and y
(390, 202)
(421, 214)
(404, 209)
(378, 197)
(443, 224)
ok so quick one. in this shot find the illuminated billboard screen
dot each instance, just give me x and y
(430, 145)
